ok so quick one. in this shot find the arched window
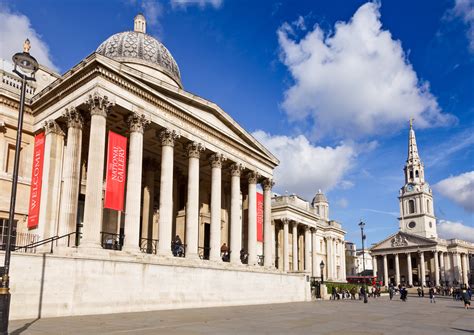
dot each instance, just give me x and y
(411, 206)
(428, 206)
(411, 174)
(317, 210)
(416, 174)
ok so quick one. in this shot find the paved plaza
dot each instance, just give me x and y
(380, 316)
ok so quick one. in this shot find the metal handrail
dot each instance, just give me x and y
(46, 241)
(148, 245)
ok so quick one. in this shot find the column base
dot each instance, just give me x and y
(131, 249)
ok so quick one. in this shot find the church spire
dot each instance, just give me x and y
(412, 148)
(414, 167)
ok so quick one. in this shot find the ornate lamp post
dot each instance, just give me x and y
(362, 225)
(28, 66)
(321, 265)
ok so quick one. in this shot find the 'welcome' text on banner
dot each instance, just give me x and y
(116, 171)
(36, 181)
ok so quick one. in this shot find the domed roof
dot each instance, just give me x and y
(319, 197)
(138, 47)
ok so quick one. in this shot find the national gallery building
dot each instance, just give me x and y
(416, 255)
(136, 195)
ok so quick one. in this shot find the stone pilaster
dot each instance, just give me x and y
(385, 270)
(294, 235)
(150, 165)
(193, 150)
(436, 267)
(252, 217)
(464, 262)
(441, 265)
(267, 185)
(167, 138)
(136, 123)
(374, 265)
(316, 270)
(422, 267)
(71, 175)
(99, 107)
(307, 249)
(235, 214)
(286, 251)
(216, 204)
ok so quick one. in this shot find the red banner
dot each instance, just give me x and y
(259, 217)
(116, 172)
(36, 181)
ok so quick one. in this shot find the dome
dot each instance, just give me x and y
(139, 48)
(319, 197)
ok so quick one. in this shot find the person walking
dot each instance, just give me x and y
(390, 292)
(432, 295)
(466, 299)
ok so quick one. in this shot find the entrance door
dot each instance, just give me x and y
(207, 240)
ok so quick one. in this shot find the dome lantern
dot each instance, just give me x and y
(139, 24)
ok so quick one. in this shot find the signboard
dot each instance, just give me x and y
(116, 171)
(259, 217)
(36, 181)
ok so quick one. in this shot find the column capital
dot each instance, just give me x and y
(267, 184)
(285, 221)
(253, 177)
(137, 122)
(99, 104)
(216, 160)
(314, 230)
(51, 126)
(194, 150)
(74, 118)
(236, 169)
(306, 228)
(168, 137)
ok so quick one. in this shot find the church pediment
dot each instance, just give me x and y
(402, 240)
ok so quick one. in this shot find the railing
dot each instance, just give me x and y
(51, 240)
(204, 252)
(148, 245)
(18, 239)
(112, 241)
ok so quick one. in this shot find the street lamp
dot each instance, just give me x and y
(362, 225)
(28, 66)
(321, 265)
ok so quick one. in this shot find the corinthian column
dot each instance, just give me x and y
(436, 267)
(99, 108)
(385, 271)
(136, 124)
(235, 214)
(286, 254)
(316, 271)
(307, 249)
(295, 246)
(410, 271)
(148, 202)
(422, 267)
(464, 262)
(71, 175)
(252, 220)
(192, 206)
(267, 185)
(167, 138)
(216, 197)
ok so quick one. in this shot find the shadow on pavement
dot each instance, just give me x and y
(23, 328)
(464, 330)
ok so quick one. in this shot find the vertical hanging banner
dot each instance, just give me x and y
(259, 217)
(116, 171)
(36, 181)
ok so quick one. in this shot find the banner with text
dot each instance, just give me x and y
(116, 171)
(259, 217)
(36, 181)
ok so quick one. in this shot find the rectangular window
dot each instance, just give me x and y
(11, 158)
(4, 233)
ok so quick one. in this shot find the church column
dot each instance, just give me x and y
(409, 269)
(441, 265)
(464, 268)
(71, 175)
(136, 124)
(436, 267)
(252, 218)
(148, 202)
(192, 205)
(93, 207)
(286, 254)
(422, 268)
(385, 270)
(397, 270)
(235, 214)
(267, 185)
(315, 270)
(167, 138)
(216, 196)
(374, 265)
(295, 245)
(307, 249)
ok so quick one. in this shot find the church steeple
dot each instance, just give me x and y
(414, 171)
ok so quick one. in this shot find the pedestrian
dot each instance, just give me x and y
(432, 295)
(466, 299)
(419, 292)
(390, 292)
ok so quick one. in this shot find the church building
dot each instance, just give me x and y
(416, 255)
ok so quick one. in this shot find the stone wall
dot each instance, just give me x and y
(50, 285)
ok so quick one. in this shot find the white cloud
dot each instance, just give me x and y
(14, 30)
(464, 9)
(342, 202)
(448, 229)
(152, 10)
(305, 168)
(200, 3)
(459, 189)
(356, 81)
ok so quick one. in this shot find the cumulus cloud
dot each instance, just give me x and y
(464, 9)
(449, 229)
(355, 81)
(15, 28)
(305, 168)
(459, 189)
(200, 3)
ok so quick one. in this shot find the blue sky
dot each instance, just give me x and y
(328, 86)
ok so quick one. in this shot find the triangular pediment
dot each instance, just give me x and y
(402, 240)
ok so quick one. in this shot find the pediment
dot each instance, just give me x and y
(403, 240)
